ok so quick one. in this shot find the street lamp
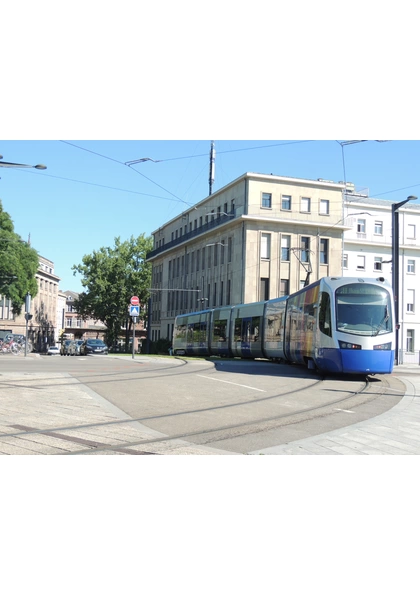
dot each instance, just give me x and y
(6, 164)
(396, 266)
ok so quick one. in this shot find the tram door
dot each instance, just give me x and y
(290, 333)
(246, 336)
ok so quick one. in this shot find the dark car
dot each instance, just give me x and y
(93, 346)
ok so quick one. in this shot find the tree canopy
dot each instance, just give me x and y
(18, 264)
(111, 276)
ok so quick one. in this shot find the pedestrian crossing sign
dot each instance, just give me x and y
(134, 310)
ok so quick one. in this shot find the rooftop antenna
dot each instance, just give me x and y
(211, 172)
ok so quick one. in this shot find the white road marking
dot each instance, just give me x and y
(232, 383)
(344, 410)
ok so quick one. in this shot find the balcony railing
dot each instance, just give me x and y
(216, 222)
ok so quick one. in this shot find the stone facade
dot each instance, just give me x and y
(259, 237)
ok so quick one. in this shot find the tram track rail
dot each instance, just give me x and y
(208, 435)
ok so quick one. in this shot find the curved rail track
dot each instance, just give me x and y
(222, 427)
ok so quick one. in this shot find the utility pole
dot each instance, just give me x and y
(212, 167)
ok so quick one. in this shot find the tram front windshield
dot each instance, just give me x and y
(363, 309)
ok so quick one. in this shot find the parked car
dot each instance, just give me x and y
(53, 350)
(64, 347)
(74, 347)
(93, 346)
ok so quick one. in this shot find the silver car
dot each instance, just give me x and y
(74, 347)
(64, 350)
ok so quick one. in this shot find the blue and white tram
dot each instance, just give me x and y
(342, 325)
(338, 325)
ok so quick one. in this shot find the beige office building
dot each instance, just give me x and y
(259, 237)
(42, 328)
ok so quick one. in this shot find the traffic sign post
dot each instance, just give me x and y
(134, 313)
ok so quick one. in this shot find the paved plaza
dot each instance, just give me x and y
(53, 413)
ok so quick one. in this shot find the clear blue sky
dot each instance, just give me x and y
(84, 200)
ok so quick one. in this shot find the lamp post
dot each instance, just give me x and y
(6, 164)
(396, 267)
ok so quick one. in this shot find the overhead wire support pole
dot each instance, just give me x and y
(212, 165)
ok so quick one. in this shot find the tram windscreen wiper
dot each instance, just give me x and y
(384, 321)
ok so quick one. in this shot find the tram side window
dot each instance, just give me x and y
(255, 330)
(238, 330)
(325, 314)
(219, 332)
(180, 331)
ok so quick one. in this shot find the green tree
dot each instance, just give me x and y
(18, 264)
(110, 277)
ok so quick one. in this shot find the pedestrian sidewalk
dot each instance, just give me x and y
(395, 432)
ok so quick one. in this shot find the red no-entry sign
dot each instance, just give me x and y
(135, 300)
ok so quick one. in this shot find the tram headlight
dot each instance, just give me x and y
(382, 347)
(349, 345)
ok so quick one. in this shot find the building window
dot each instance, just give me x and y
(345, 261)
(379, 228)
(323, 251)
(361, 225)
(360, 262)
(221, 293)
(284, 287)
(286, 202)
(230, 250)
(324, 207)
(285, 247)
(304, 249)
(266, 200)
(305, 205)
(377, 264)
(265, 246)
(410, 300)
(264, 289)
(215, 254)
(222, 252)
(411, 266)
(411, 232)
(229, 289)
(410, 341)
(197, 268)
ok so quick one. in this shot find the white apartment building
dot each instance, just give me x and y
(259, 237)
(367, 252)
